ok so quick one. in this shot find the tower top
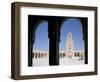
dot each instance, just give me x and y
(69, 34)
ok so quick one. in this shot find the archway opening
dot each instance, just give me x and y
(41, 43)
(71, 41)
(41, 37)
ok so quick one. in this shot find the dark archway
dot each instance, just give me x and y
(41, 42)
(74, 26)
(83, 22)
(53, 35)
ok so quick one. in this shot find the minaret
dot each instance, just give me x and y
(70, 45)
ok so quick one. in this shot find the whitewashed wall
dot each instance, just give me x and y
(44, 61)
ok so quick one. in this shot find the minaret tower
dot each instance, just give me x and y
(70, 45)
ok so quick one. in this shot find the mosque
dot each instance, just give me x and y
(68, 57)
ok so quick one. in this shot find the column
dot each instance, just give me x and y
(54, 32)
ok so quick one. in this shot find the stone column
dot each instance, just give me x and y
(54, 32)
(30, 25)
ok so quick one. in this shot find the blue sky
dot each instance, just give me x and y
(74, 26)
(41, 38)
(71, 25)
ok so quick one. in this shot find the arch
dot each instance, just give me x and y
(39, 55)
(67, 18)
(41, 36)
(66, 29)
(34, 24)
(75, 26)
(36, 55)
(33, 55)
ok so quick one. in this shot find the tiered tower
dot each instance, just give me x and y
(70, 45)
